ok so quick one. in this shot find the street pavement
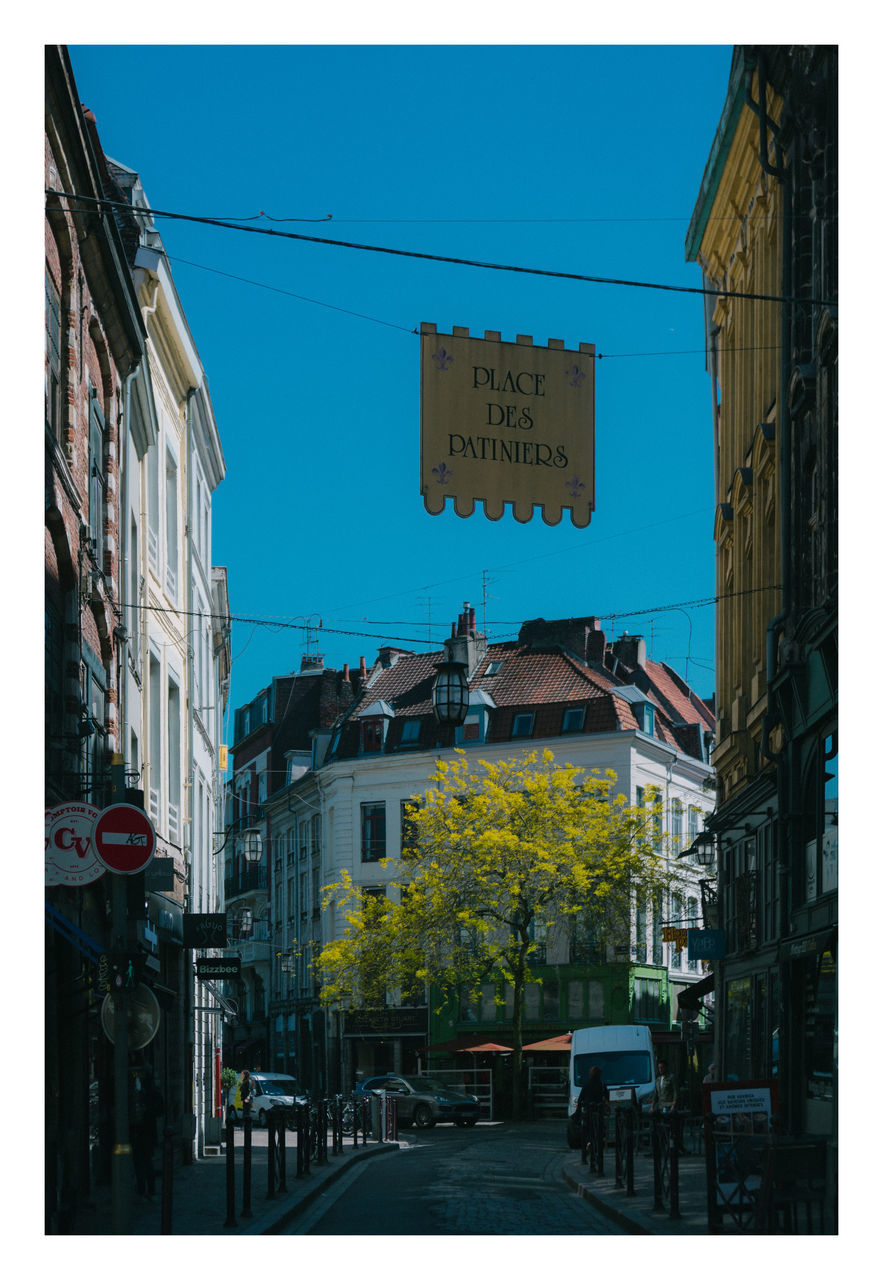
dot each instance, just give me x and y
(199, 1192)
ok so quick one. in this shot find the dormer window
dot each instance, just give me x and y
(371, 732)
(522, 725)
(573, 720)
(410, 733)
(373, 724)
(475, 727)
(646, 717)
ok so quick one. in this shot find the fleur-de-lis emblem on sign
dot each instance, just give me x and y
(574, 484)
(443, 360)
(575, 376)
(442, 473)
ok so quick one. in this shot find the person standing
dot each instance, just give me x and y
(145, 1107)
(245, 1091)
(665, 1092)
(589, 1108)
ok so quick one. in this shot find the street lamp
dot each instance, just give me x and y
(252, 845)
(450, 693)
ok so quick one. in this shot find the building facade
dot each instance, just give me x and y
(339, 805)
(765, 224)
(94, 343)
(135, 689)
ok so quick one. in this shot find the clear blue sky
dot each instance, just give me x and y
(570, 158)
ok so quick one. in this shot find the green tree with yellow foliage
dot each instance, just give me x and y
(495, 855)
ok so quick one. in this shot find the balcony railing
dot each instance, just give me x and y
(245, 880)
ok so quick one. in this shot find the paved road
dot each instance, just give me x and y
(495, 1179)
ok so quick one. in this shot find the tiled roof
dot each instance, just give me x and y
(542, 677)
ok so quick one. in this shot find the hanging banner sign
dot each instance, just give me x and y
(706, 944)
(507, 422)
(70, 848)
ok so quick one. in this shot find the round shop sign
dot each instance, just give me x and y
(142, 1016)
(70, 845)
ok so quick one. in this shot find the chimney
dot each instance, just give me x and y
(630, 650)
(466, 645)
(363, 670)
(346, 673)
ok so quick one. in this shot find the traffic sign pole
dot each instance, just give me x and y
(121, 1167)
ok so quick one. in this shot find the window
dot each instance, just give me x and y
(316, 896)
(494, 668)
(407, 824)
(522, 725)
(53, 359)
(472, 729)
(640, 928)
(53, 700)
(647, 1001)
(693, 922)
(96, 474)
(410, 732)
(574, 718)
(373, 832)
(174, 762)
(645, 713)
(692, 824)
(171, 526)
(677, 826)
(371, 732)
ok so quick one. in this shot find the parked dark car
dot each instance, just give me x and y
(424, 1102)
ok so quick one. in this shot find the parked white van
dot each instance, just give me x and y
(624, 1054)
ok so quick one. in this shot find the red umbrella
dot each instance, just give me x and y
(557, 1044)
(490, 1047)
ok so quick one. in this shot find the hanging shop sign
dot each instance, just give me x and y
(70, 848)
(205, 929)
(507, 422)
(218, 967)
(706, 944)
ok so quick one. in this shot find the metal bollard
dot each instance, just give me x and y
(675, 1133)
(271, 1153)
(231, 1174)
(167, 1173)
(322, 1135)
(656, 1140)
(631, 1125)
(303, 1138)
(246, 1165)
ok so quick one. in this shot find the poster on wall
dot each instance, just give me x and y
(739, 1122)
(507, 422)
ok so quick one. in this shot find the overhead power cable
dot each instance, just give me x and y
(101, 204)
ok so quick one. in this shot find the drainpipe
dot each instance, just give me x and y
(197, 1059)
(124, 641)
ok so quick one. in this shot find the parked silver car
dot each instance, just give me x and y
(424, 1102)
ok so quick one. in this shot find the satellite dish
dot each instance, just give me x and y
(143, 1016)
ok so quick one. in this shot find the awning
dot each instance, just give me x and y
(557, 1044)
(467, 1042)
(690, 996)
(488, 1047)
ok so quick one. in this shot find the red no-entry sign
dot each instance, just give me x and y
(124, 839)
